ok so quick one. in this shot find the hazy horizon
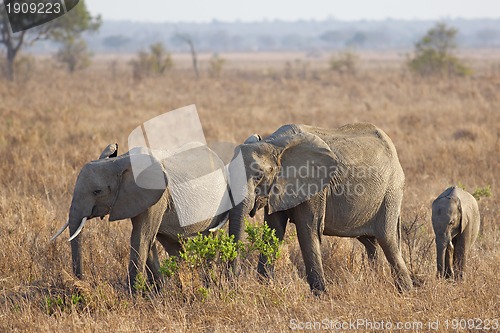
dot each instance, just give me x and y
(193, 11)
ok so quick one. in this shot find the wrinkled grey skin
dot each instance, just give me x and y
(107, 186)
(456, 221)
(362, 156)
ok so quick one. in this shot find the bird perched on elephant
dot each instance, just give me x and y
(110, 186)
(344, 182)
(456, 222)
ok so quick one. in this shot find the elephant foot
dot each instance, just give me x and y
(264, 279)
(404, 284)
(449, 275)
(317, 286)
(318, 291)
(459, 277)
(234, 268)
(266, 271)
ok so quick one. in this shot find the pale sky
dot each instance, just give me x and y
(253, 10)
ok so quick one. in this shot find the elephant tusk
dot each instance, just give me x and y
(451, 245)
(79, 229)
(217, 227)
(60, 231)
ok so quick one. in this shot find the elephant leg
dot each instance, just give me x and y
(390, 242)
(153, 265)
(459, 257)
(173, 248)
(394, 257)
(141, 241)
(370, 244)
(277, 221)
(309, 223)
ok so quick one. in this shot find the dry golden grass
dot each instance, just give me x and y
(446, 131)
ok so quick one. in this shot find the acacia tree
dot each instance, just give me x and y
(74, 54)
(70, 25)
(435, 53)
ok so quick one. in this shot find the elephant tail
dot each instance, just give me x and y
(399, 232)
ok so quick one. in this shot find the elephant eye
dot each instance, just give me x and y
(97, 192)
(451, 222)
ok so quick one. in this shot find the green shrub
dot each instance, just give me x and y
(263, 240)
(74, 54)
(67, 303)
(215, 65)
(76, 299)
(208, 257)
(201, 250)
(434, 54)
(170, 266)
(155, 62)
(345, 62)
(482, 192)
(54, 304)
(140, 283)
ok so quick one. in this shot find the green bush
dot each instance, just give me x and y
(208, 257)
(74, 54)
(214, 248)
(482, 192)
(263, 240)
(170, 266)
(155, 62)
(434, 54)
(140, 284)
(54, 304)
(63, 303)
(215, 65)
(345, 62)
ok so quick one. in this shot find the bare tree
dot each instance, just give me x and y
(14, 41)
(189, 40)
(75, 22)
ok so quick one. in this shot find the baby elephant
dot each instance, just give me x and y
(455, 219)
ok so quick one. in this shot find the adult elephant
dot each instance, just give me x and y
(344, 182)
(111, 186)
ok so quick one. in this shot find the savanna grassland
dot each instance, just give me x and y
(446, 130)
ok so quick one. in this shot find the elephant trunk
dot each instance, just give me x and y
(237, 227)
(237, 219)
(444, 258)
(441, 249)
(76, 222)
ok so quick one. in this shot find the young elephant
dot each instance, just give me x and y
(107, 187)
(455, 219)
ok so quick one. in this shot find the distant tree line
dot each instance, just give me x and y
(311, 36)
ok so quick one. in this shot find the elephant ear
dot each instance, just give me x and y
(467, 207)
(306, 167)
(141, 183)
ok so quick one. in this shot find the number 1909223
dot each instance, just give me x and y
(473, 324)
(34, 8)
